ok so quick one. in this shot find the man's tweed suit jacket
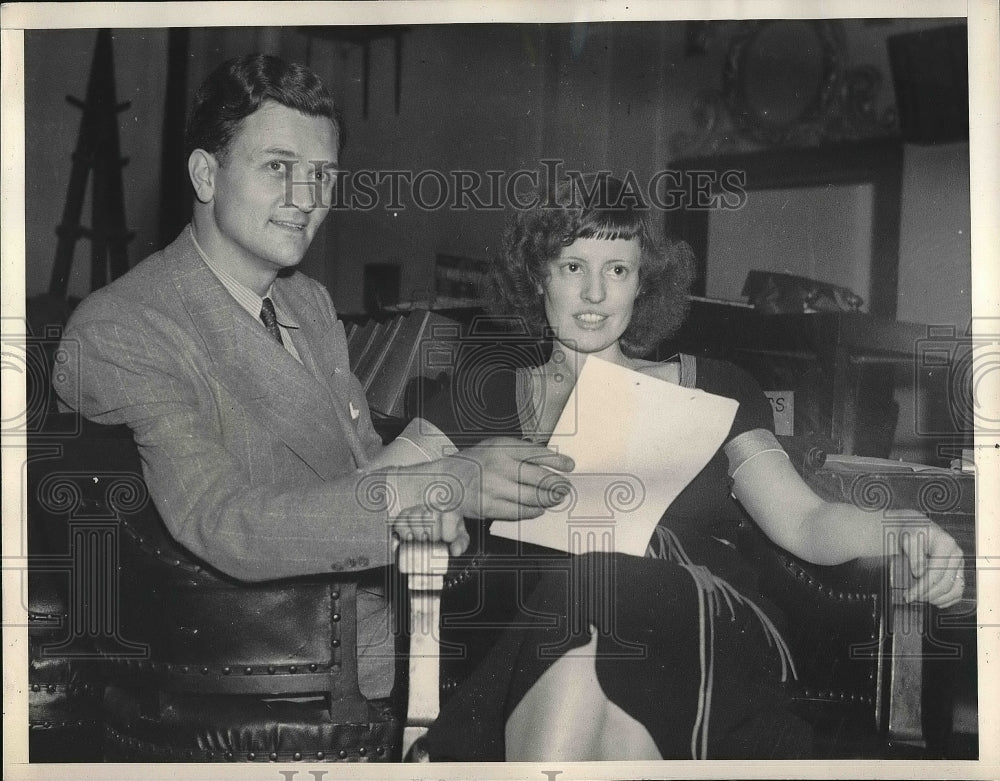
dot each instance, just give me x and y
(252, 458)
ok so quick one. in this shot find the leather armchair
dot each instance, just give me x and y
(64, 720)
(193, 666)
(860, 650)
(177, 662)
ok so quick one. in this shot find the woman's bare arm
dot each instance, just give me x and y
(821, 532)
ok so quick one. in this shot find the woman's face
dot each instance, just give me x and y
(589, 294)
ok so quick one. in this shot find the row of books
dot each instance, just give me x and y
(387, 355)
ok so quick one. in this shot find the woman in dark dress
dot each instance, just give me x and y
(675, 655)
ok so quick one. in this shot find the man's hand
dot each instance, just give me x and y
(507, 479)
(501, 478)
(419, 523)
(935, 562)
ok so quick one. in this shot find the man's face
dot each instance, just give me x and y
(274, 188)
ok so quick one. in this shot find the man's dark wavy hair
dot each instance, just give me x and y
(238, 87)
(535, 236)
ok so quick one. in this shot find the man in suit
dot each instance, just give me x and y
(231, 367)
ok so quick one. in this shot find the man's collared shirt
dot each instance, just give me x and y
(249, 300)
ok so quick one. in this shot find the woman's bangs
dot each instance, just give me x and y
(611, 224)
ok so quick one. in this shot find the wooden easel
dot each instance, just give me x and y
(97, 150)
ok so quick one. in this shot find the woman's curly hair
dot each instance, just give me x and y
(601, 210)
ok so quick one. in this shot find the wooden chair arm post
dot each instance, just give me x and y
(905, 717)
(424, 564)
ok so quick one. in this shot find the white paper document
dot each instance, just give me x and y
(637, 442)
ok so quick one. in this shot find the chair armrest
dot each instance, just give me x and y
(424, 564)
(835, 628)
(857, 645)
(907, 627)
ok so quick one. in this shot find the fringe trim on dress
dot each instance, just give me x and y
(712, 591)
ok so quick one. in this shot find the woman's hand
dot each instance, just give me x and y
(420, 523)
(935, 562)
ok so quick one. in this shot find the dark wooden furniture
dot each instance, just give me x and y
(843, 368)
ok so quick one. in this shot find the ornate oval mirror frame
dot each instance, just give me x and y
(781, 79)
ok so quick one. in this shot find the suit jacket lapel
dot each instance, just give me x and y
(317, 342)
(310, 336)
(287, 397)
